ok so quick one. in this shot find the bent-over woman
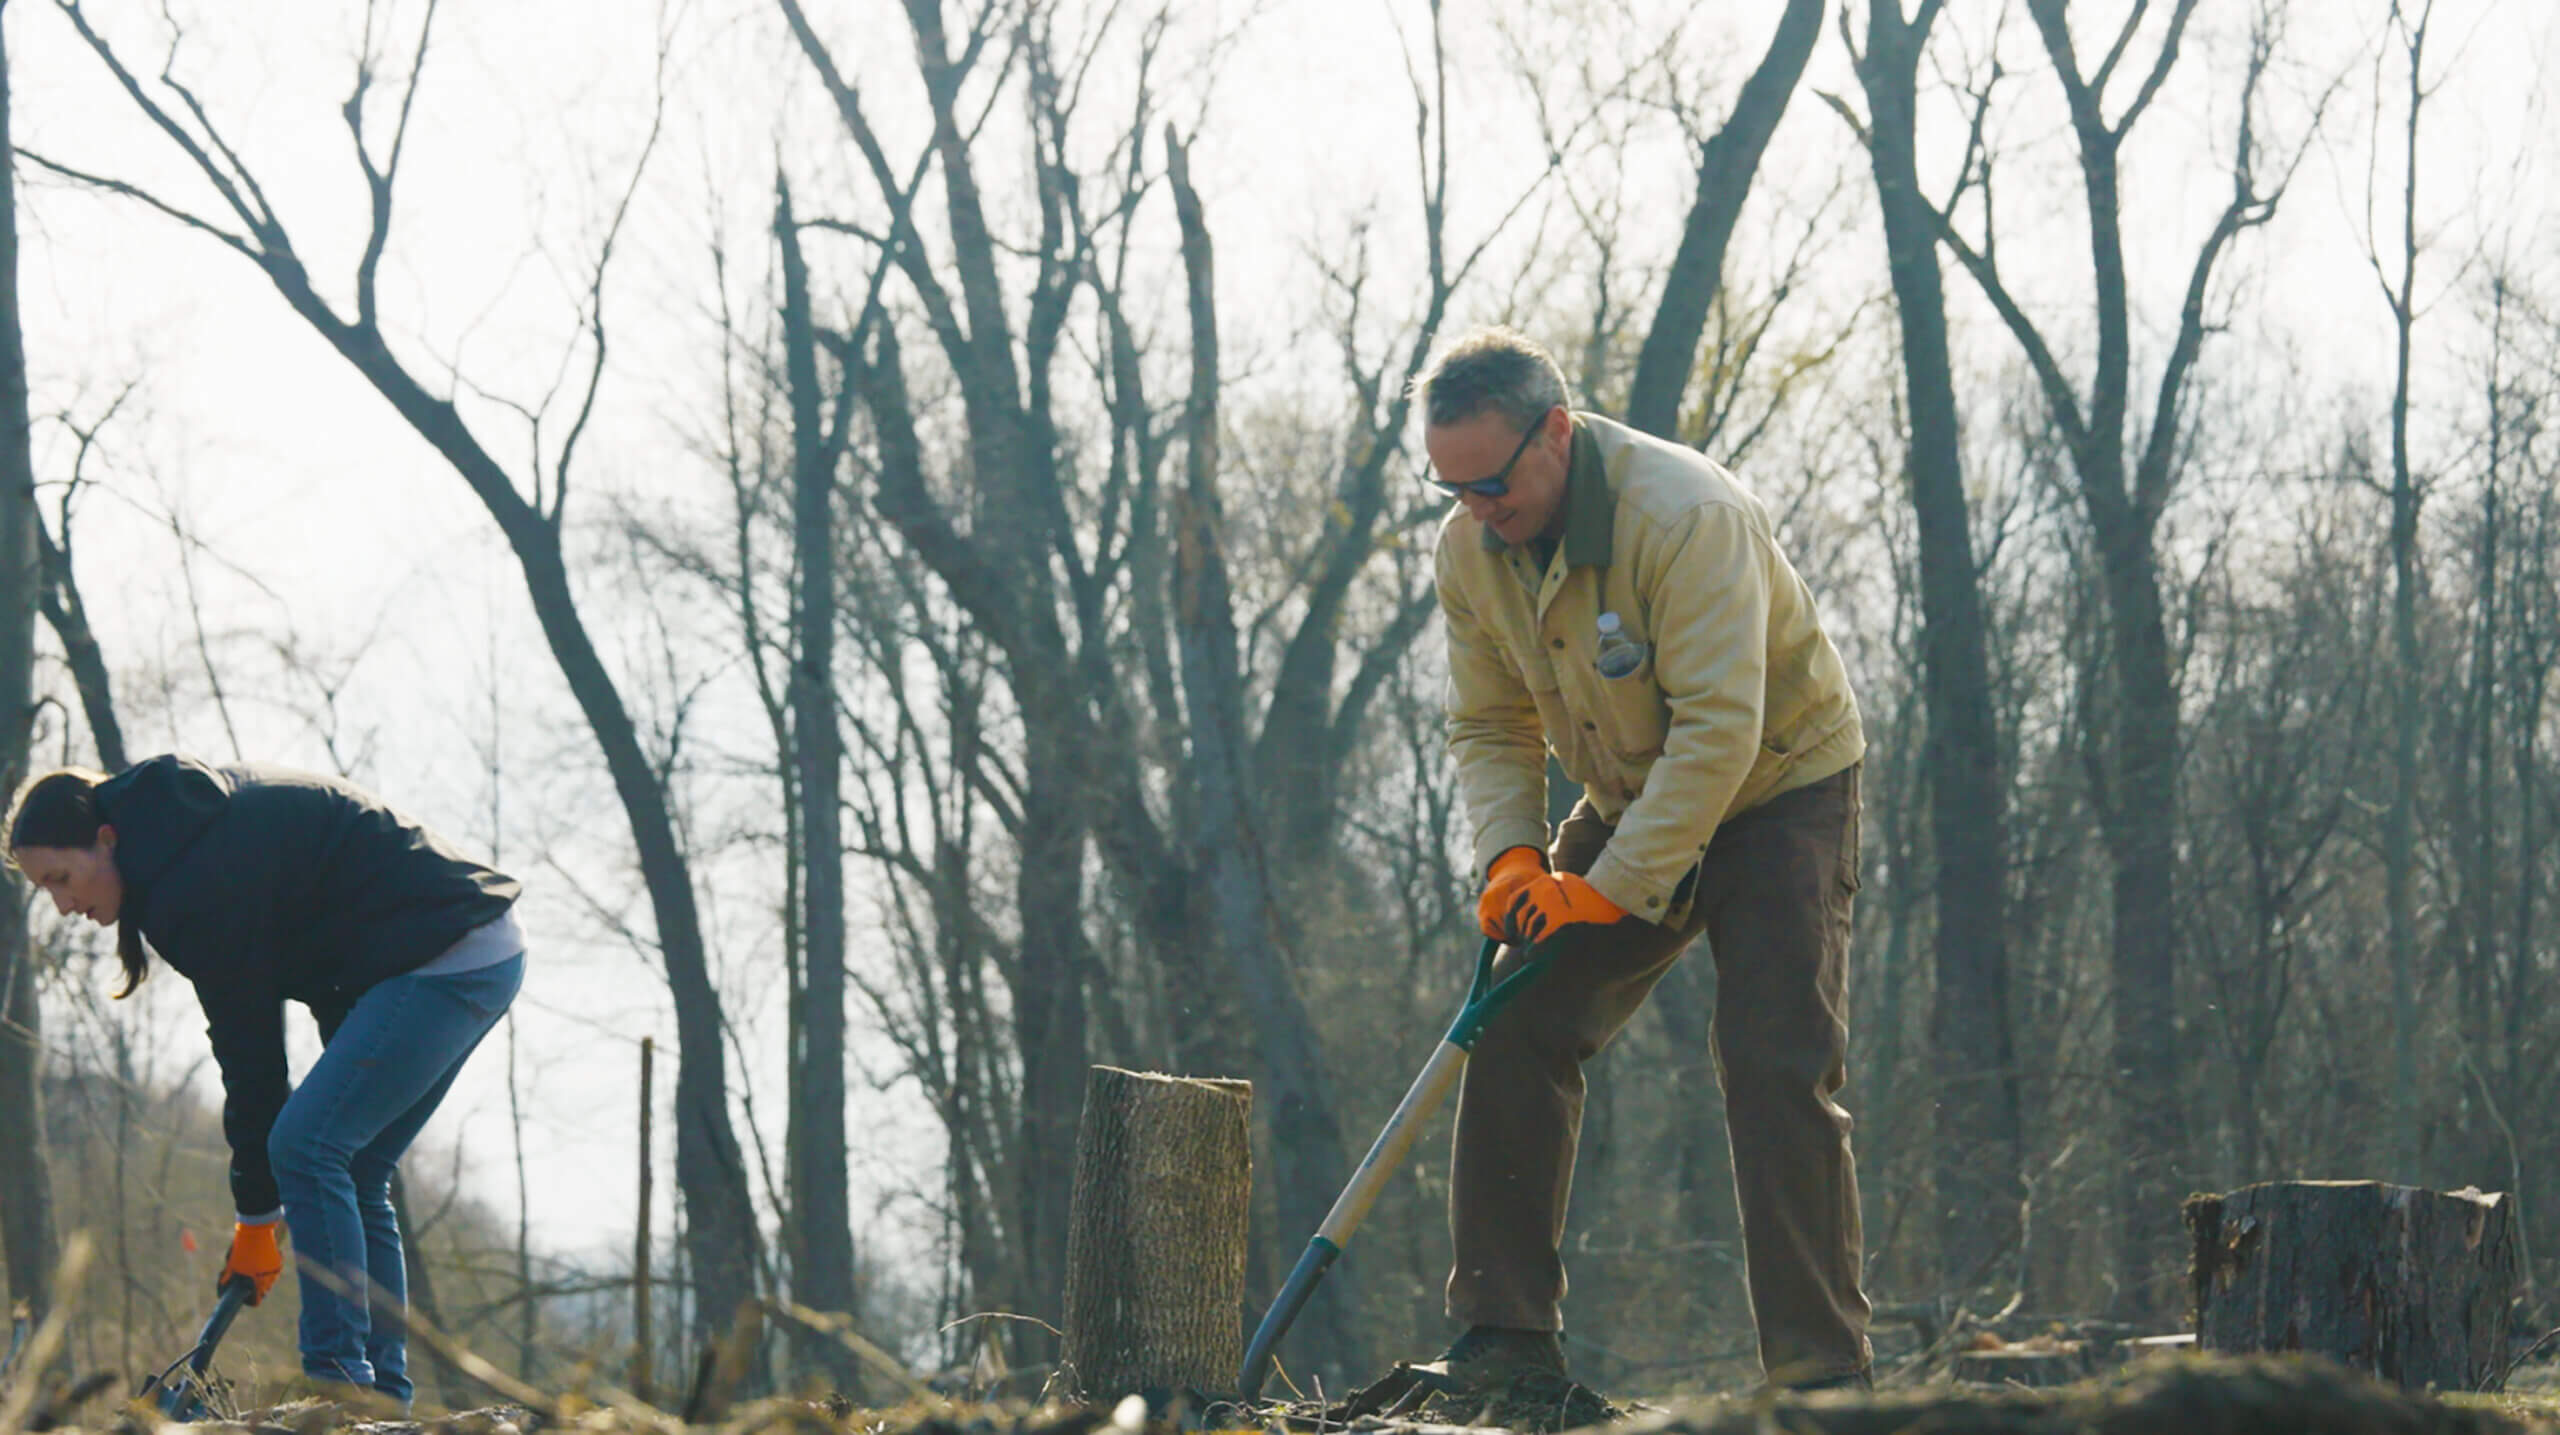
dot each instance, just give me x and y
(263, 886)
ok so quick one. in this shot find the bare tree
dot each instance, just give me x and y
(999, 570)
(721, 1229)
(1727, 164)
(1979, 1174)
(821, 1214)
(2408, 495)
(2502, 802)
(27, 1236)
(2123, 482)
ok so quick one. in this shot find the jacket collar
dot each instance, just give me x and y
(159, 807)
(1590, 509)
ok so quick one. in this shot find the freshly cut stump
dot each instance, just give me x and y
(2411, 1285)
(1156, 1239)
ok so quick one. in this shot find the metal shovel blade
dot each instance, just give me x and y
(184, 1390)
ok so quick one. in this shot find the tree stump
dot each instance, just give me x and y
(2411, 1285)
(1156, 1234)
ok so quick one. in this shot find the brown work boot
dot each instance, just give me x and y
(1488, 1356)
(1486, 1360)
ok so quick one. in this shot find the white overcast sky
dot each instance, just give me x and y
(326, 525)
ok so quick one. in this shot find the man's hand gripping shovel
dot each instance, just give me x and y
(1485, 998)
(189, 1390)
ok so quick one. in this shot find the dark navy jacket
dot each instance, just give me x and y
(263, 886)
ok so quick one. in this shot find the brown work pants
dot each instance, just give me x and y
(1773, 898)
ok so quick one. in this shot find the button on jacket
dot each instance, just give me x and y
(1740, 696)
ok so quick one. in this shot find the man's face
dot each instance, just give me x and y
(82, 881)
(1475, 448)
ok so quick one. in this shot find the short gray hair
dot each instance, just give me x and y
(1493, 368)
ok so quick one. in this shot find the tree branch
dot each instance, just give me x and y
(2160, 65)
(378, 182)
(595, 288)
(237, 243)
(2056, 385)
(908, 243)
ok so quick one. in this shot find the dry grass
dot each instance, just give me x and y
(2195, 1395)
(104, 1414)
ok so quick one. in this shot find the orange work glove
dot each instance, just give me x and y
(1516, 868)
(253, 1254)
(1548, 905)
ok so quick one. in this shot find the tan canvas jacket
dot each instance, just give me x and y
(1741, 696)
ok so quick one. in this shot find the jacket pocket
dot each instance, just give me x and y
(1782, 710)
(1634, 716)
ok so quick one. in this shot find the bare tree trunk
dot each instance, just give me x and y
(1979, 1180)
(2142, 958)
(1727, 164)
(2534, 645)
(2475, 764)
(822, 1264)
(2399, 831)
(27, 1237)
(1306, 1140)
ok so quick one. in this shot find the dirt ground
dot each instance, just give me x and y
(2188, 1396)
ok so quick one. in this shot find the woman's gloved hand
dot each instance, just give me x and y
(1548, 904)
(254, 1254)
(1516, 868)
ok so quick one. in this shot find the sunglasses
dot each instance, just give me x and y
(1500, 483)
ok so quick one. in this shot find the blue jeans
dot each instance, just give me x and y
(337, 1142)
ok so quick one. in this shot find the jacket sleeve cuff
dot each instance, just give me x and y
(269, 1219)
(1502, 835)
(1640, 895)
(253, 1188)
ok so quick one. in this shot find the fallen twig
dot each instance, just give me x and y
(840, 1328)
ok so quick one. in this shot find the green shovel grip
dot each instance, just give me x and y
(1486, 997)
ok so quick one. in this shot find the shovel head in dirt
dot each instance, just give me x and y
(189, 1390)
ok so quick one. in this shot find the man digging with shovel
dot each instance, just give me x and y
(1621, 602)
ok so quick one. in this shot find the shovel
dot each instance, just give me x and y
(1485, 997)
(187, 1390)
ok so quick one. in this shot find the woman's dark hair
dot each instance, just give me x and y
(60, 809)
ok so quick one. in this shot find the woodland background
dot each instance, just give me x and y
(899, 521)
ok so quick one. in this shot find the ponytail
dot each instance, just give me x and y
(60, 809)
(131, 954)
